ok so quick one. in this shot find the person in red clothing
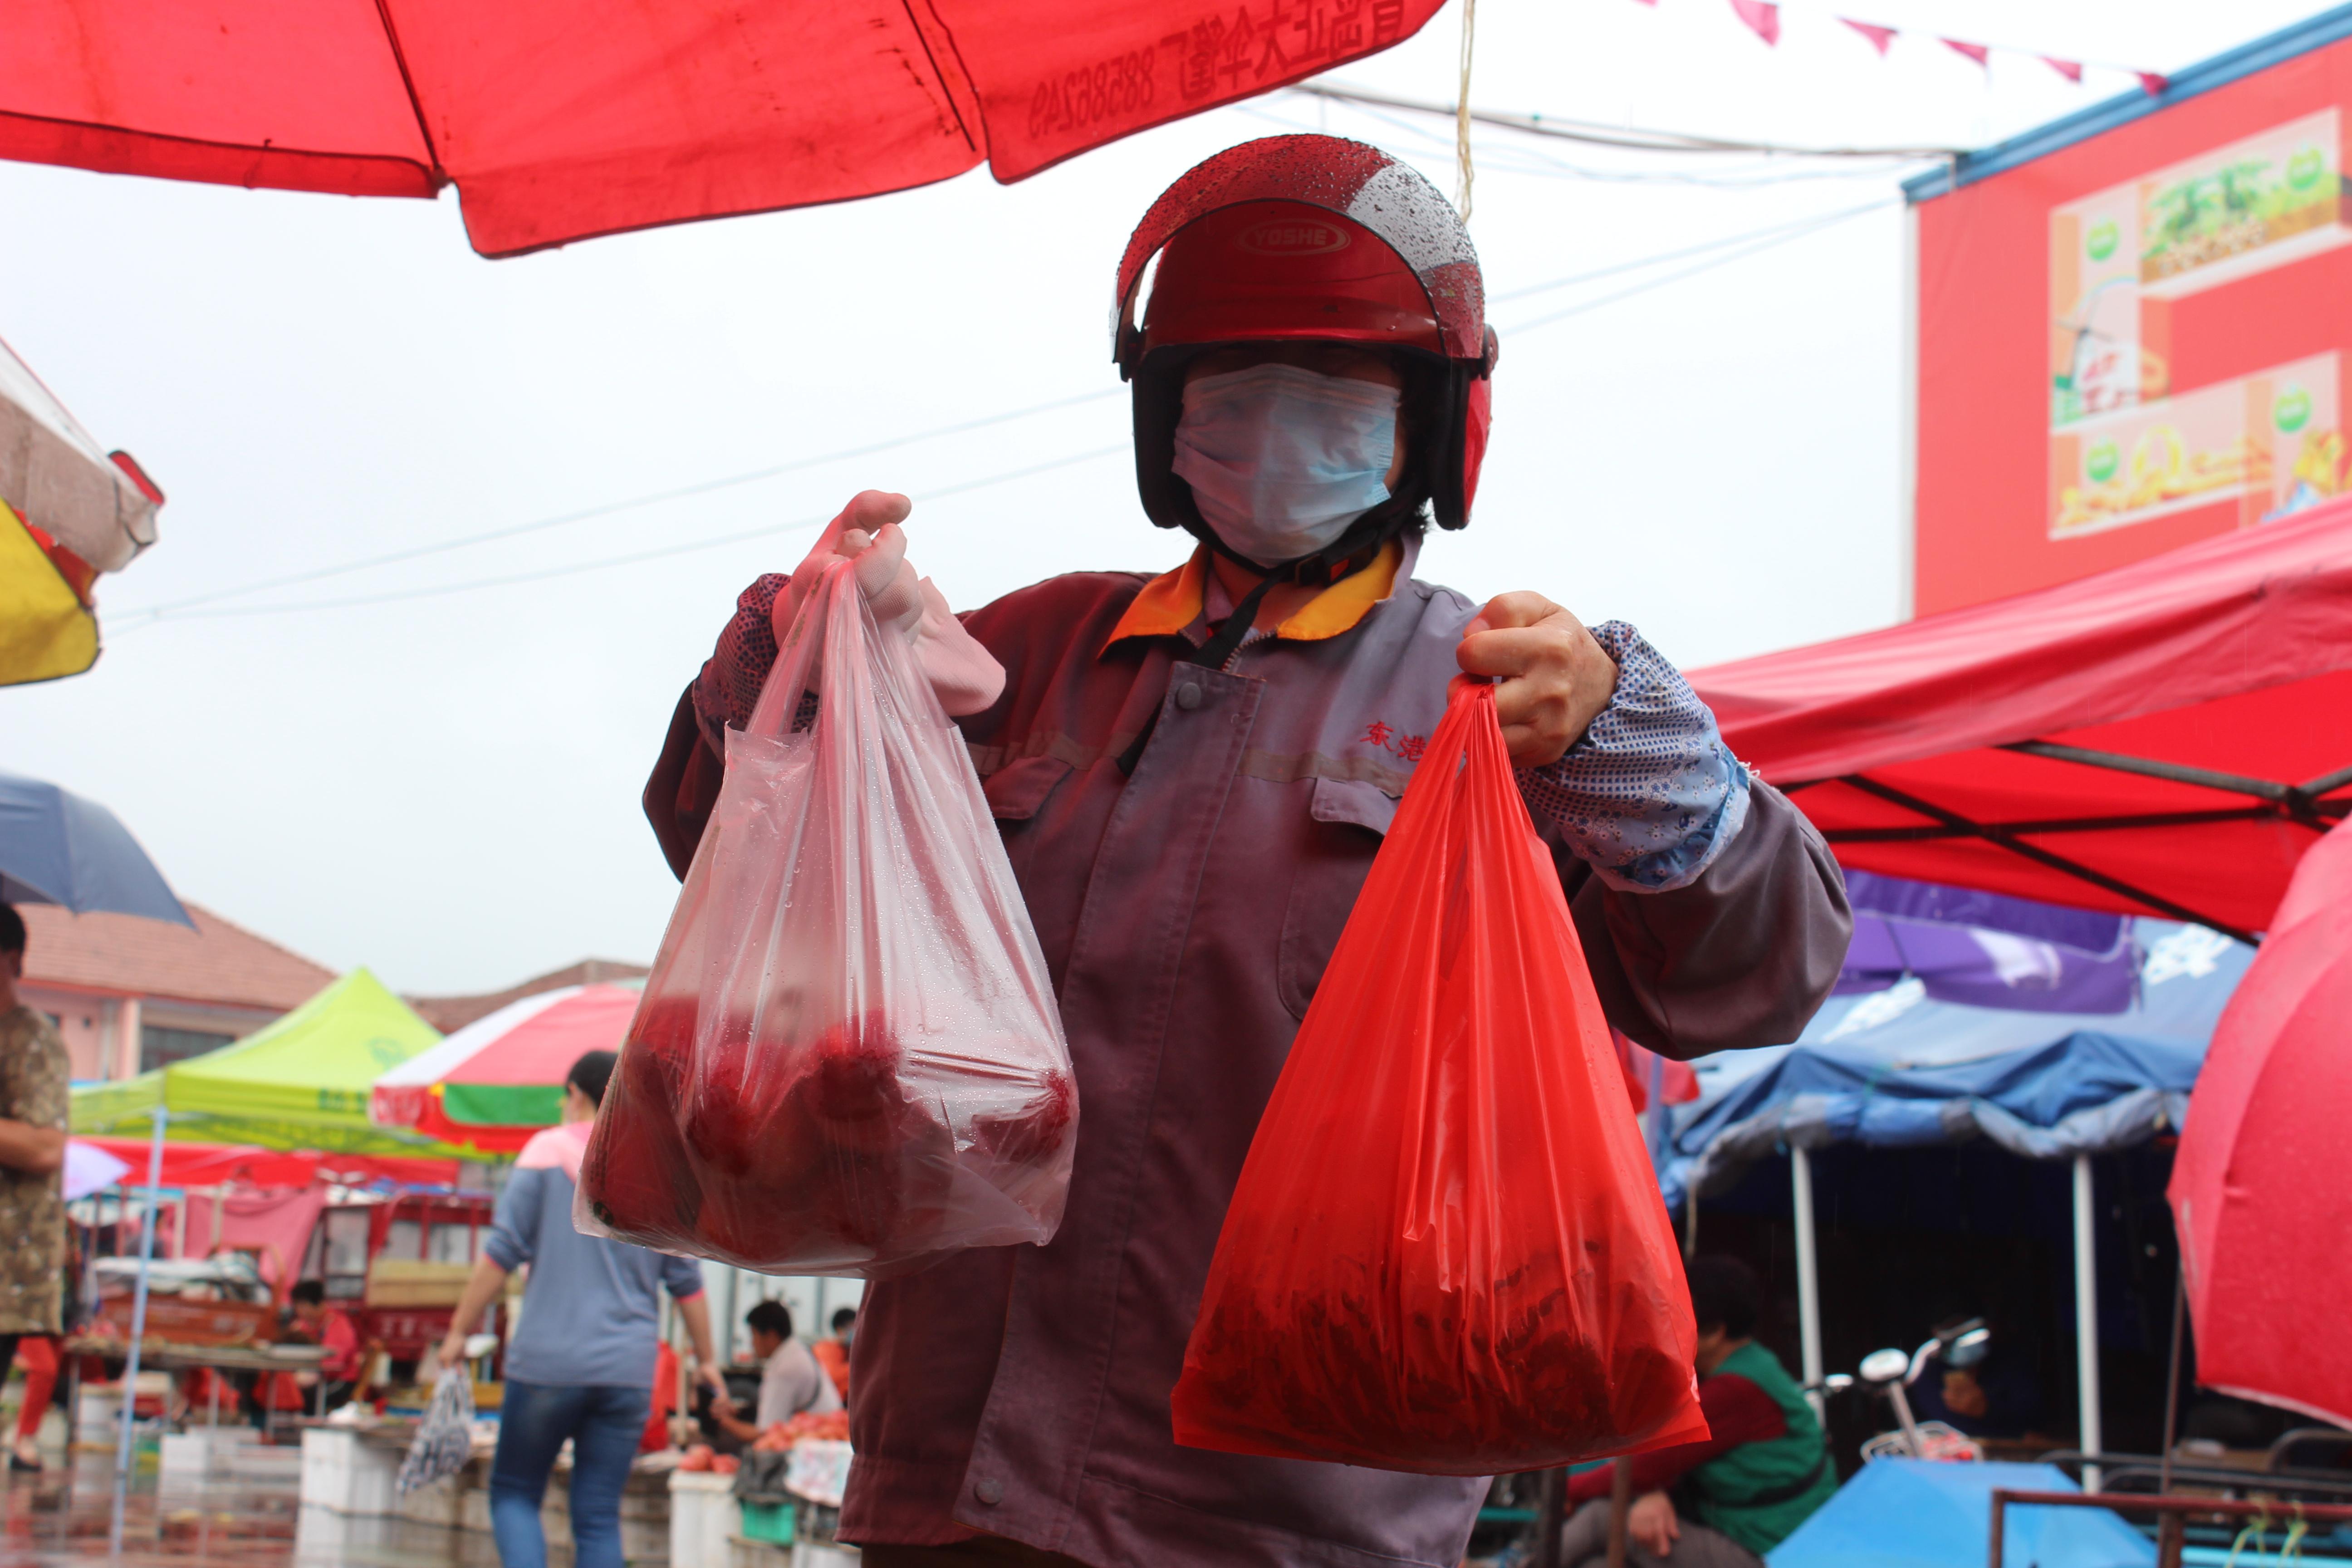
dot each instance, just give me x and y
(38, 1354)
(833, 1354)
(323, 1325)
(1762, 1471)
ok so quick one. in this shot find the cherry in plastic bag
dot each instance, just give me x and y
(848, 1058)
(1447, 1253)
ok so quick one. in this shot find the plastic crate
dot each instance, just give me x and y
(767, 1522)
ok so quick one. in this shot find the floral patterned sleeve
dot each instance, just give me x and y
(1650, 794)
(34, 1078)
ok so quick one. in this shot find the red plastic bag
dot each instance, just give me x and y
(848, 1060)
(1447, 1253)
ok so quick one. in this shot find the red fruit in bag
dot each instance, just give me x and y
(642, 1179)
(1447, 1253)
(1036, 1129)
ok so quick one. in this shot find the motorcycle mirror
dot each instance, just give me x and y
(1879, 1368)
(1969, 1347)
(1837, 1382)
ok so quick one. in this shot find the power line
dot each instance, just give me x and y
(1544, 165)
(680, 492)
(575, 568)
(1628, 138)
(1813, 227)
(1778, 231)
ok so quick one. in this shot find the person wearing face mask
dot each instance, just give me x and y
(1192, 773)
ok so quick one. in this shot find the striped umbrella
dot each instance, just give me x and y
(500, 1079)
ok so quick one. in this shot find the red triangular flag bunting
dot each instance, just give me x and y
(1979, 53)
(2071, 70)
(1762, 17)
(2151, 83)
(1879, 36)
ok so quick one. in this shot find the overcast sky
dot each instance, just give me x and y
(443, 785)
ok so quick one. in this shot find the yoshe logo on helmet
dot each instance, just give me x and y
(1291, 237)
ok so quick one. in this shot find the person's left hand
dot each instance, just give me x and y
(1554, 678)
(1651, 1524)
(716, 1380)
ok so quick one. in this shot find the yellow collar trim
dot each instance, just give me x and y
(1174, 600)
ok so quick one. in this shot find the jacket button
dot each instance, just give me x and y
(1188, 697)
(990, 1492)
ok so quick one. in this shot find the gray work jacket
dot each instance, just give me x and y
(1187, 913)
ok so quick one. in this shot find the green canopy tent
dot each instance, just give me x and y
(300, 1083)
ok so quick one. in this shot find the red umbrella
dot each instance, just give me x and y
(558, 122)
(2258, 1193)
(2168, 737)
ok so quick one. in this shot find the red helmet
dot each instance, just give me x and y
(1309, 237)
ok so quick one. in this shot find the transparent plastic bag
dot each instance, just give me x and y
(1447, 1253)
(848, 1060)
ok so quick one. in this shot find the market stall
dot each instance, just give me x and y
(300, 1083)
(2167, 739)
(497, 1080)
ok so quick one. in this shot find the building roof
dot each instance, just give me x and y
(2301, 37)
(451, 1014)
(219, 963)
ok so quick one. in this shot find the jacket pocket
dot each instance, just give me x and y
(1016, 792)
(1348, 819)
(1017, 789)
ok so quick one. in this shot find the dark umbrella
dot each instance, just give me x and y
(59, 849)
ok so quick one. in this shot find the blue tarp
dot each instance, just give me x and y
(1911, 1513)
(1898, 1069)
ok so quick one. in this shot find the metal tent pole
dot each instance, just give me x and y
(1808, 1284)
(2086, 1318)
(138, 1328)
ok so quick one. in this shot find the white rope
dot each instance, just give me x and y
(1465, 173)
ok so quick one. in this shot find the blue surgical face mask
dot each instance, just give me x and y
(1281, 460)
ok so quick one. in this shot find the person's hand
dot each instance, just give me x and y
(453, 1351)
(1651, 1524)
(963, 674)
(1554, 678)
(716, 1380)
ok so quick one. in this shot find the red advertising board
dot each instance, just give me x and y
(2134, 327)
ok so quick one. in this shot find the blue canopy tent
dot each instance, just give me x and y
(1897, 1068)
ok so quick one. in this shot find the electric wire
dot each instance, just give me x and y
(573, 568)
(1718, 252)
(1778, 231)
(1626, 137)
(1712, 262)
(609, 509)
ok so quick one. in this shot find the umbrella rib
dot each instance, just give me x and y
(2148, 767)
(932, 60)
(2324, 782)
(2004, 839)
(2075, 824)
(408, 86)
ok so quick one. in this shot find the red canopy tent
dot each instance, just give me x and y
(2166, 738)
(208, 1164)
(561, 121)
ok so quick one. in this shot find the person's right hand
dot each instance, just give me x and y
(453, 1351)
(1651, 1524)
(963, 674)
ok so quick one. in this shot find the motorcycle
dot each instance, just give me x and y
(1887, 1373)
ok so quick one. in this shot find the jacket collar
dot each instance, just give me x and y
(1174, 603)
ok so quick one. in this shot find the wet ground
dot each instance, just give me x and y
(67, 1515)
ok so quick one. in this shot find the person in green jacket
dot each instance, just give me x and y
(1762, 1471)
